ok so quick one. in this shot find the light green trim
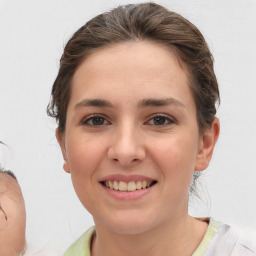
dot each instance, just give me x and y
(82, 246)
(211, 231)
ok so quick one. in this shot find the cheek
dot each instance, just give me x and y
(15, 231)
(3, 221)
(18, 215)
(20, 228)
(176, 160)
(175, 151)
(83, 154)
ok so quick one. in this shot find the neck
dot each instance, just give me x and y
(179, 237)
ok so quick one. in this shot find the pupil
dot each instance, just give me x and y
(159, 120)
(98, 121)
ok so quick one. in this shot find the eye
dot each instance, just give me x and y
(161, 120)
(95, 120)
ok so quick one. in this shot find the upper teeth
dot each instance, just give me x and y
(127, 186)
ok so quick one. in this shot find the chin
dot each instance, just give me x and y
(129, 225)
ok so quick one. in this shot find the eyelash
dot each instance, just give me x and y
(94, 117)
(169, 120)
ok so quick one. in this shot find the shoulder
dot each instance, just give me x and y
(228, 241)
(81, 247)
(245, 244)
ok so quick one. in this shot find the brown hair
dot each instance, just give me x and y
(148, 21)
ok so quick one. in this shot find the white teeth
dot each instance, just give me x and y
(138, 185)
(115, 185)
(130, 186)
(122, 186)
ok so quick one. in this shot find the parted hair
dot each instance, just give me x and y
(133, 22)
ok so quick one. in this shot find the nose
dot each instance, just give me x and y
(127, 147)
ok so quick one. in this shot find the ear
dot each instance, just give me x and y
(206, 145)
(60, 139)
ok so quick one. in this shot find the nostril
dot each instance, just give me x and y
(125, 161)
(125, 151)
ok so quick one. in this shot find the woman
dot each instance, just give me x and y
(135, 104)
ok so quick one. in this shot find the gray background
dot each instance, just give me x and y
(32, 36)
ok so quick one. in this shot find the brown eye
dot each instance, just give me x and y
(95, 121)
(160, 120)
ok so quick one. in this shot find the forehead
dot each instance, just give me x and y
(130, 65)
(8, 183)
(134, 53)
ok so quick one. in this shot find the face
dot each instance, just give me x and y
(131, 141)
(12, 217)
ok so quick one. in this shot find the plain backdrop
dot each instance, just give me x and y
(32, 36)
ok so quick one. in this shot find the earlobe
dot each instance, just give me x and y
(66, 166)
(206, 146)
(60, 139)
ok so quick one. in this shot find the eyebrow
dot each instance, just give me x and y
(160, 102)
(151, 102)
(93, 103)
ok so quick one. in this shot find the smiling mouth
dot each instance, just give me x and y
(128, 186)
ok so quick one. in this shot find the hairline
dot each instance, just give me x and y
(174, 50)
(9, 173)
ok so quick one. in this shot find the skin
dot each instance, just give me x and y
(161, 143)
(12, 217)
